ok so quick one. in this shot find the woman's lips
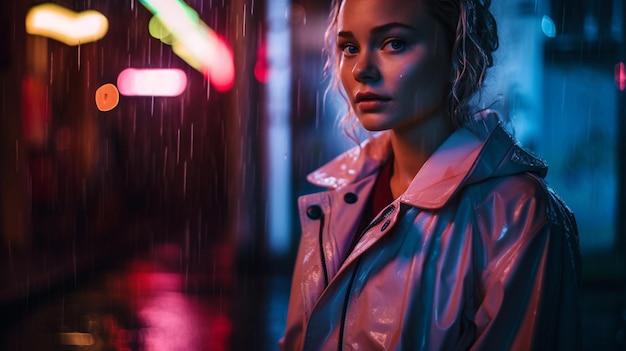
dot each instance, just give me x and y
(371, 105)
(370, 102)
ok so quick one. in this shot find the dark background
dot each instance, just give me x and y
(157, 223)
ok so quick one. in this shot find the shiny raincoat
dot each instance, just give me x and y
(477, 254)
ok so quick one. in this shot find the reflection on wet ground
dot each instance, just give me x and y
(153, 302)
(160, 301)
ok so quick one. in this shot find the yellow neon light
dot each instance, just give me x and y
(158, 31)
(62, 24)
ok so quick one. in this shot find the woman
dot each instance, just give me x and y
(438, 233)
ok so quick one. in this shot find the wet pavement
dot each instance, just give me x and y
(156, 300)
(176, 296)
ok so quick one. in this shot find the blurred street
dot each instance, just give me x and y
(163, 298)
(176, 296)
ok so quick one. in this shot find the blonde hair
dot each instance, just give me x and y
(472, 36)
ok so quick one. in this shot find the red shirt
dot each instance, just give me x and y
(380, 197)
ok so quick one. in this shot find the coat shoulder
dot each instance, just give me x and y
(519, 206)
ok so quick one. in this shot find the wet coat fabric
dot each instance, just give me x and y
(477, 254)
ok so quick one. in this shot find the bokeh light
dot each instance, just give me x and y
(261, 66)
(152, 82)
(159, 31)
(548, 27)
(620, 76)
(62, 24)
(193, 41)
(107, 97)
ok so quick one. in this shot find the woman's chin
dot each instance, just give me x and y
(374, 125)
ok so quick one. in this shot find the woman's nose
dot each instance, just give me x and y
(365, 69)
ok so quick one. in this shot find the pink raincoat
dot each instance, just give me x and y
(477, 254)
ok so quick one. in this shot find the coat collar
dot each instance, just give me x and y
(481, 149)
(354, 164)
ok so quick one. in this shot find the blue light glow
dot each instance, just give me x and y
(548, 27)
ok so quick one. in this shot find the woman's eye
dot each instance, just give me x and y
(394, 45)
(349, 49)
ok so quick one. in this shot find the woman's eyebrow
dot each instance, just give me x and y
(345, 34)
(379, 29)
(389, 26)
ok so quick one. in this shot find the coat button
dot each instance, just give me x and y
(350, 198)
(314, 212)
(385, 225)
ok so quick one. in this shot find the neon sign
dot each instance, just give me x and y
(151, 82)
(193, 41)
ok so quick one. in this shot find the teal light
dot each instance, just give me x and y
(548, 27)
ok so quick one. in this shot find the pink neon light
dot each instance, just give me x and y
(620, 76)
(151, 82)
(261, 67)
(220, 68)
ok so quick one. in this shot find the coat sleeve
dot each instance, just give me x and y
(307, 276)
(528, 287)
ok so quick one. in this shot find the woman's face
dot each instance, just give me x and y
(394, 63)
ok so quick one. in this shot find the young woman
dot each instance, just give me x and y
(438, 233)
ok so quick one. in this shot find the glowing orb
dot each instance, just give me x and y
(62, 24)
(107, 97)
